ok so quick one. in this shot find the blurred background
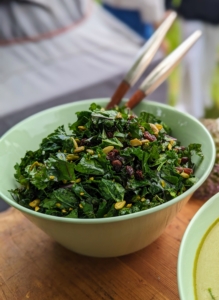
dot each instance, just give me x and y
(173, 39)
(59, 51)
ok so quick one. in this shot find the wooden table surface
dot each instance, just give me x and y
(33, 266)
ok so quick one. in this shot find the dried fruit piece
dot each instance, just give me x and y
(147, 135)
(129, 170)
(117, 165)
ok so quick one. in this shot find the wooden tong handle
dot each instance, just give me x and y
(142, 60)
(119, 94)
(137, 97)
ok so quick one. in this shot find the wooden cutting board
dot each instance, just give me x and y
(33, 266)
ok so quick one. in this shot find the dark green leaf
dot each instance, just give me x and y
(112, 142)
(94, 107)
(73, 214)
(111, 190)
(89, 166)
(65, 170)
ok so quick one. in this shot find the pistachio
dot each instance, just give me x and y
(106, 150)
(34, 203)
(90, 151)
(119, 116)
(163, 183)
(169, 146)
(142, 129)
(35, 164)
(74, 142)
(184, 175)
(76, 181)
(79, 149)
(172, 142)
(145, 141)
(120, 205)
(72, 157)
(159, 126)
(82, 128)
(135, 142)
(154, 128)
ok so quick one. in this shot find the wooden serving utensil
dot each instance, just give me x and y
(161, 72)
(143, 60)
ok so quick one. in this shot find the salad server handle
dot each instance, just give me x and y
(161, 72)
(143, 59)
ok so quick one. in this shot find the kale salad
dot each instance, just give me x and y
(112, 163)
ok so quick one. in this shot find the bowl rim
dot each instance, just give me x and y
(118, 218)
(184, 242)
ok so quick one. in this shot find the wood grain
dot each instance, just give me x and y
(119, 94)
(33, 266)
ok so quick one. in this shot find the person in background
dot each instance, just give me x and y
(142, 16)
(199, 63)
(58, 51)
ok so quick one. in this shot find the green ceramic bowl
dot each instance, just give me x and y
(191, 241)
(111, 236)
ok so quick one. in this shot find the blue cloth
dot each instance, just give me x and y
(132, 18)
(202, 10)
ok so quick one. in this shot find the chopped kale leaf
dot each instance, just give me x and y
(111, 164)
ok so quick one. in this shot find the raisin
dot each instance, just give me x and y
(117, 165)
(188, 170)
(184, 160)
(83, 142)
(116, 152)
(180, 169)
(149, 136)
(129, 170)
(109, 134)
(112, 154)
(185, 170)
(139, 175)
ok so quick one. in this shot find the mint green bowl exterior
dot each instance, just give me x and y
(191, 241)
(108, 237)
